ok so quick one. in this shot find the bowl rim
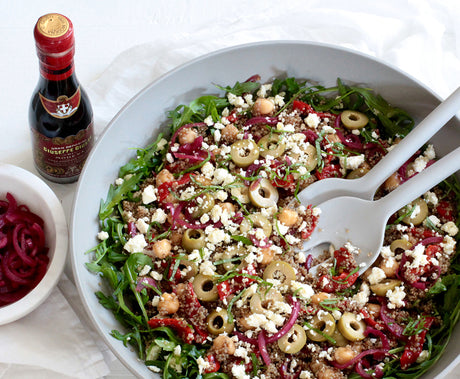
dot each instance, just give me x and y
(107, 338)
(42, 290)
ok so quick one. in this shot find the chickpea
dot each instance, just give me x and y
(267, 255)
(288, 217)
(392, 182)
(176, 237)
(168, 304)
(263, 107)
(327, 373)
(187, 135)
(319, 297)
(229, 207)
(374, 309)
(243, 323)
(203, 180)
(390, 267)
(223, 344)
(162, 248)
(343, 355)
(163, 177)
(229, 133)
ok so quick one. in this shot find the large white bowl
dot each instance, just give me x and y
(144, 116)
(30, 190)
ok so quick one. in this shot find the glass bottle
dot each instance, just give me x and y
(60, 114)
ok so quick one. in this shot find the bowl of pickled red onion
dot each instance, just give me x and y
(33, 242)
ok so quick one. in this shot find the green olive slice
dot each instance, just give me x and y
(351, 328)
(193, 239)
(217, 322)
(294, 340)
(354, 119)
(272, 145)
(339, 339)
(204, 205)
(256, 220)
(419, 214)
(400, 244)
(381, 289)
(262, 194)
(311, 160)
(281, 271)
(189, 268)
(325, 323)
(358, 173)
(205, 288)
(244, 152)
(230, 255)
(262, 302)
(241, 193)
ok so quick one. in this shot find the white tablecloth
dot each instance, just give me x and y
(121, 46)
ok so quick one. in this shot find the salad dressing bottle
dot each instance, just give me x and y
(60, 114)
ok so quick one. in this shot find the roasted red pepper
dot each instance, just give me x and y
(213, 364)
(180, 326)
(306, 108)
(225, 289)
(329, 171)
(165, 188)
(347, 273)
(414, 345)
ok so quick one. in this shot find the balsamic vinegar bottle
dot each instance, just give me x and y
(60, 114)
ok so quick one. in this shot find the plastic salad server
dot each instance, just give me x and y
(362, 222)
(365, 187)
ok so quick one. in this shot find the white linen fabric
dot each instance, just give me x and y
(421, 37)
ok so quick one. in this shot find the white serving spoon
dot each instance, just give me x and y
(365, 187)
(362, 222)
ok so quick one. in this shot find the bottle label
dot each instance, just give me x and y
(63, 106)
(62, 157)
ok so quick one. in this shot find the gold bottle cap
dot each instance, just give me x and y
(53, 25)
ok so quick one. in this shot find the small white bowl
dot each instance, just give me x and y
(30, 190)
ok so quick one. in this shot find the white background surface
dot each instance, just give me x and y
(122, 45)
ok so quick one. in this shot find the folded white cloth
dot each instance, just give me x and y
(51, 342)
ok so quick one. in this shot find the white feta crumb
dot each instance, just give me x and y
(351, 162)
(431, 198)
(312, 120)
(207, 268)
(376, 275)
(395, 297)
(149, 194)
(159, 216)
(450, 228)
(136, 244)
(362, 297)
(145, 270)
(119, 181)
(302, 289)
(102, 236)
(142, 226)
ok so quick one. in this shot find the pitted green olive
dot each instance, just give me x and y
(272, 145)
(339, 339)
(262, 194)
(256, 220)
(325, 323)
(311, 159)
(294, 340)
(400, 244)
(241, 193)
(230, 255)
(217, 322)
(205, 288)
(351, 328)
(354, 119)
(244, 152)
(193, 239)
(419, 213)
(380, 289)
(261, 302)
(204, 205)
(281, 271)
(189, 268)
(358, 173)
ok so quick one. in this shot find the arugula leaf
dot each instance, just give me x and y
(241, 88)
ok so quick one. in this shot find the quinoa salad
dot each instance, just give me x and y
(201, 237)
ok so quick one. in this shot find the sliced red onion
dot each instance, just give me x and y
(308, 262)
(284, 374)
(390, 323)
(337, 121)
(132, 230)
(430, 241)
(378, 372)
(260, 243)
(359, 357)
(380, 334)
(311, 135)
(287, 327)
(190, 148)
(191, 158)
(244, 338)
(262, 120)
(263, 348)
(145, 282)
(253, 78)
(352, 141)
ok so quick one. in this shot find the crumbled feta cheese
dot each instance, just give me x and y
(207, 268)
(102, 236)
(149, 194)
(396, 297)
(362, 297)
(216, 236)
(145, 270)
(161, 143)
(376, 275)
(119, 181)
(302, 289)
(239, 372)
(448, 245)
(159, 216)
(203, 364)
(419, 259)
(450, 228)
(136, 244)
(434, 220)
(430, 197)
(312, 120)
(419, 164)
(208, 170)
(142, 226)
(351, 162)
